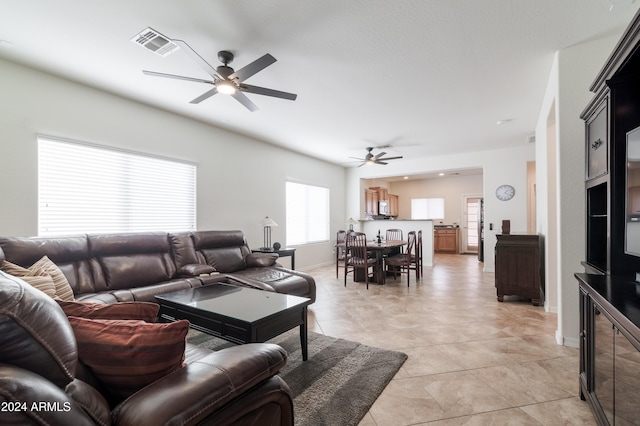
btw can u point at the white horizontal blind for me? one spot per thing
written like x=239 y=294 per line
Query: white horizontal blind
x=307 y=214
x=427 y=208
x=87 y=189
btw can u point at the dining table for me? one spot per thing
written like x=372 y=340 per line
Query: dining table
x=380 y=249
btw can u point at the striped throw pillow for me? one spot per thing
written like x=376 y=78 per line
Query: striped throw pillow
x=44 y=284
x=45 y=267
x=127 y=355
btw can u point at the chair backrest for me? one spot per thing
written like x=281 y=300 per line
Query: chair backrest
x=411 y=243
x=341 y=236
x=356 y=244
x=394 y=234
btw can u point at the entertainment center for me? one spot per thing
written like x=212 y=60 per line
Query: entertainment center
x=609 y=292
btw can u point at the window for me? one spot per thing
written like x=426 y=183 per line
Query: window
x=88 y=189
x=427 y=208
x=307 y=214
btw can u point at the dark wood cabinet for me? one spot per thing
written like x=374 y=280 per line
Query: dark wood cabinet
x=519 y=267
x=610 y=348
x=609 y=296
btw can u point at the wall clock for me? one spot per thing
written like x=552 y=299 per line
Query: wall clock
x=505 y=192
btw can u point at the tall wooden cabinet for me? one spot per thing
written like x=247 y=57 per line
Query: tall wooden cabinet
x=609 y=297
x=519 y=267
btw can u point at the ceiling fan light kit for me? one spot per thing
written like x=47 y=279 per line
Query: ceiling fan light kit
x=225 y=79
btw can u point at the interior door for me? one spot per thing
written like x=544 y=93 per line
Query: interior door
x=471 y=225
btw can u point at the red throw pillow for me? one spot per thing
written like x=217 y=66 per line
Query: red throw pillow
x=127 y=355
x=144 y=311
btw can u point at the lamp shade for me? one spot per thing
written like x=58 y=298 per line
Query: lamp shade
x=352 y=221
x=267 y=221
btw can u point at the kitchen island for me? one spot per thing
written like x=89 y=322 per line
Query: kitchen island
x=371 y=228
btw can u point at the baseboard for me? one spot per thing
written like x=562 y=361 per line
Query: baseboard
x=570 y=342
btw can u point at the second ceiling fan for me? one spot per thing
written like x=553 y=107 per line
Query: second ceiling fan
x=226 y=80
x=375 y=159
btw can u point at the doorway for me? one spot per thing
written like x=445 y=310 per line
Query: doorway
x=471 y=226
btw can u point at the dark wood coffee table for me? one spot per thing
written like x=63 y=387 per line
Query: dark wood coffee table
x=237 y=314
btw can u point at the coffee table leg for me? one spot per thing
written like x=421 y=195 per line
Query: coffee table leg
x=303 y=335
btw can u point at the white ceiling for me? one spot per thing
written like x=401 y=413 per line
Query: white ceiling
x=429 y=77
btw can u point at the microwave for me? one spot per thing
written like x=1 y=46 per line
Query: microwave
x=383 y=207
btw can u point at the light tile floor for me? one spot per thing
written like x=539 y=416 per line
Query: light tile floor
x=472 y=360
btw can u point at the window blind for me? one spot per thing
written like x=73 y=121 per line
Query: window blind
x=427 y=208
x=307 y=213
x=89 y=189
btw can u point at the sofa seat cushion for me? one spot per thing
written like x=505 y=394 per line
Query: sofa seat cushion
x=127 y=355
x=281 y=280
x=148 y=293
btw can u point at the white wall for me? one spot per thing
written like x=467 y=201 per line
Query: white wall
x=505 y=166
x=240 y=180
x=567 y=94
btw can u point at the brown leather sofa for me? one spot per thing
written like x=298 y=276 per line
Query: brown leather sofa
x=126 y=267
x=42 y=381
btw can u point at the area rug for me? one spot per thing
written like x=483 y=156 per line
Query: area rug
x=338 y=383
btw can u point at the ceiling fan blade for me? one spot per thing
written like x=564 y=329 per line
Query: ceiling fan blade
x=358 y=158
x=268 y=92
x=194 y=55
x=242 y=98
x=380 y=162
x=390 y=158
x=377 y=157
x=205 y=95
x=253 y=68
x=363 y=163
x=178 y=77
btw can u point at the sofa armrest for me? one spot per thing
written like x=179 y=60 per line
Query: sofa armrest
x=256 y=260
x=193 y=393
x=32 y=399
x=195 y=270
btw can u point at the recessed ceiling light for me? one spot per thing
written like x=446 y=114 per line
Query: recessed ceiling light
x=440 y=174
x=504 y=121
x=406 y=177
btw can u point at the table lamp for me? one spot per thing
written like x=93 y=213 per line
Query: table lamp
x=267 y=223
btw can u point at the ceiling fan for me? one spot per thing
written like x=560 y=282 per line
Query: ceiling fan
x=375 y=159
x=226 y=80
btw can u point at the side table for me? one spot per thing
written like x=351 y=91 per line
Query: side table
x=283 y=252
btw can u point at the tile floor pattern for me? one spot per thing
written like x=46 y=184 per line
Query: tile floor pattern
x=472 y=360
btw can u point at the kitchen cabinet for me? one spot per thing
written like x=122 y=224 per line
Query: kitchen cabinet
x=393 y=205
x=445 y=240
x=371 y=202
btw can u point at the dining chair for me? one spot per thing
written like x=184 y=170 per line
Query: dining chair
x=416 y=263
x=357 y=256
x=393 y=234
x=341 y=250
x=402 y=262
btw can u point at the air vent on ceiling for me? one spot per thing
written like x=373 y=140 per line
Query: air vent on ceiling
x=155 y=42
x=531 y=139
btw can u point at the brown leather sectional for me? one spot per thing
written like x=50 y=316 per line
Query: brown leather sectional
x=43 y=381
x=125 y=267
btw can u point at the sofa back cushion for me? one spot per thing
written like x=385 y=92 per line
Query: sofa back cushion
x=130 y=260
x=224 y=250
x=69 y=253
x=34 y=332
